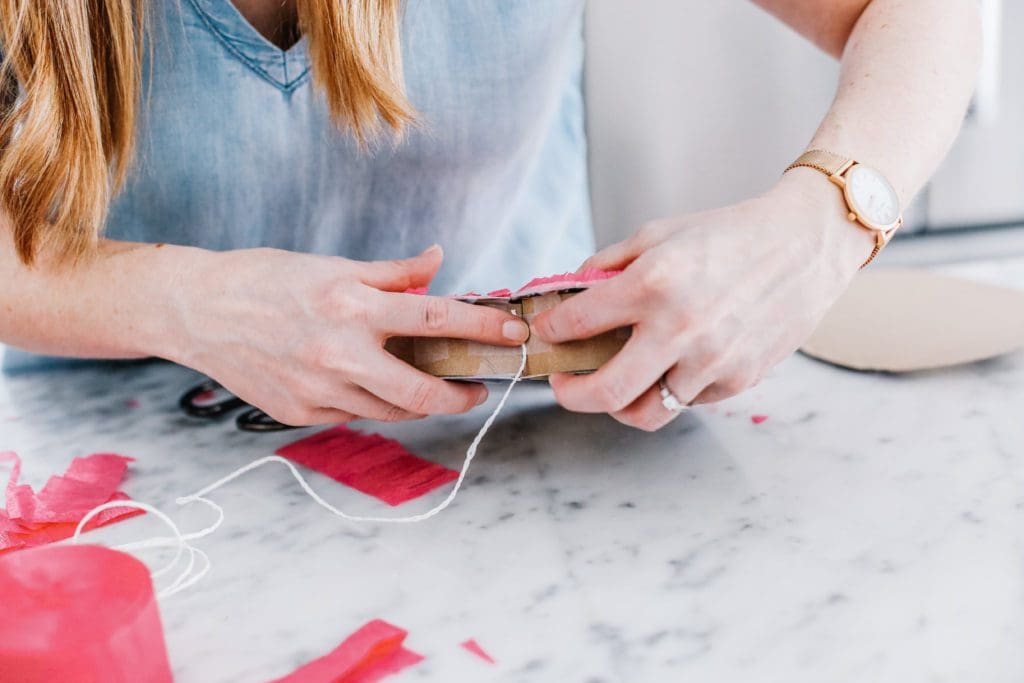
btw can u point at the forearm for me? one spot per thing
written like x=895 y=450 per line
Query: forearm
x=122 y=301
x=908 y=71
x=906 y=77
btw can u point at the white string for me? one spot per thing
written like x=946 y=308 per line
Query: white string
x=179 y=541
x=187 y=578
x=470 y=454
x=160 y=541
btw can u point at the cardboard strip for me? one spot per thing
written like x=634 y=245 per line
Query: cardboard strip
x=461 y=359
x=370 y=463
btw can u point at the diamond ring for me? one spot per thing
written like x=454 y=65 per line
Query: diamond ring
x=668 y=399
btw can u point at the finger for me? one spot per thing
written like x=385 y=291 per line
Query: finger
x=613 y=257
x=687 y=382
x=605 y=306
x=328 y=416
x=647 y=412
x=619 y=255
x=310 y=417
x=619 y=382
x=365 y=406
x=412 y=315
x=413 y=390
x=727 y=387
x=402 y=274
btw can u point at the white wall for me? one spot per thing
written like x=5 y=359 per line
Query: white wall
x=693 y=104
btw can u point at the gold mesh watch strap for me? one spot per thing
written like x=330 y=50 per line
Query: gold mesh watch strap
x=830 y=164
x=874 y=252
x=821 y=160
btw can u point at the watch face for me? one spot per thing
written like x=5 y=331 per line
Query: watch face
x=872 y=196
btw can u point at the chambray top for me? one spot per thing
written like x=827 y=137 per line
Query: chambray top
x=236 y=148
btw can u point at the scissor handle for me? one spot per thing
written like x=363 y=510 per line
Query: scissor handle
x=208 y=410
x=255 y=420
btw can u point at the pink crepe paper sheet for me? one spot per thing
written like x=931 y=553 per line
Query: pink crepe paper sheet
x=368 y=655
x=554 y=283
x=474 y=647
x=30 y=519
x=370 y=463
x=758 y=419
x=538 y=285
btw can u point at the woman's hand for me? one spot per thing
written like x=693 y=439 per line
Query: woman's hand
x=715 y=299
x=302 y=336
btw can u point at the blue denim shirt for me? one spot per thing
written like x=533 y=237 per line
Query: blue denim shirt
x=236 y=148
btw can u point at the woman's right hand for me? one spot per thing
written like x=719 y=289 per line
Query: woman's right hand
x=302 y=336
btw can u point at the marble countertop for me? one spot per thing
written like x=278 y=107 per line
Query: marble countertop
x=872 y=529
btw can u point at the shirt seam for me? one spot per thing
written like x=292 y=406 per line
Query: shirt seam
x=222 y=37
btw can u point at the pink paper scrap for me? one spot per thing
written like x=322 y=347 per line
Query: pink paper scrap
x=550 y=283
x=30 y=519
x=553 y=283
x=474 y=647
x=368 y=655
x=370 y=463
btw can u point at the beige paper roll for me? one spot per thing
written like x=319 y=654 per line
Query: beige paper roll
x=901 y=320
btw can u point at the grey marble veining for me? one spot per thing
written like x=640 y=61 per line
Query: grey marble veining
x=872 y=529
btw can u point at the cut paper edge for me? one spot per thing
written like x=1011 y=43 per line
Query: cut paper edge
x=542 y=285
x=29 y=519
x=474 y=647
x=15 y=535
x=371 y=653
x=369 y=463
x=88 y=481
x=563 y=281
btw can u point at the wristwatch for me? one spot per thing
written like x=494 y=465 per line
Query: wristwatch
x=871 y=200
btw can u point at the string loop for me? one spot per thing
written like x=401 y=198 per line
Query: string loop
x=190 y=575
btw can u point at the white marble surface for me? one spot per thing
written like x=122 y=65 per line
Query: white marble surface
x=871 y=530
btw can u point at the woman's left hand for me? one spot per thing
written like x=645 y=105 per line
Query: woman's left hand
x=715 y=299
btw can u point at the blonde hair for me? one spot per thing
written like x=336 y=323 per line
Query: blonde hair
x=70 y=93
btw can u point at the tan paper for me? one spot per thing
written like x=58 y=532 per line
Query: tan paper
x=461 y=359
x=901 y=320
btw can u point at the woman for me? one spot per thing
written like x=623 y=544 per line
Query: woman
x=153 y=151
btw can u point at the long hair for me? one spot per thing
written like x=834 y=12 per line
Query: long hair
x=70 y=94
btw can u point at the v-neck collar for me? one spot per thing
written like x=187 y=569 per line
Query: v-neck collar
x=286 y=69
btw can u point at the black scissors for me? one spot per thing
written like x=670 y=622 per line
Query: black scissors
x=210 y=401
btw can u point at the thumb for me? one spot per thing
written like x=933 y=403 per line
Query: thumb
x=402 y=274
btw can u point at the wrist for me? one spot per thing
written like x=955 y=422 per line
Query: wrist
x=834 y=241
x=175 y=294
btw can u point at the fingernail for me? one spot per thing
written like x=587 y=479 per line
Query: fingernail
x=516 y=330
x=481 y=395
x=431 y=249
